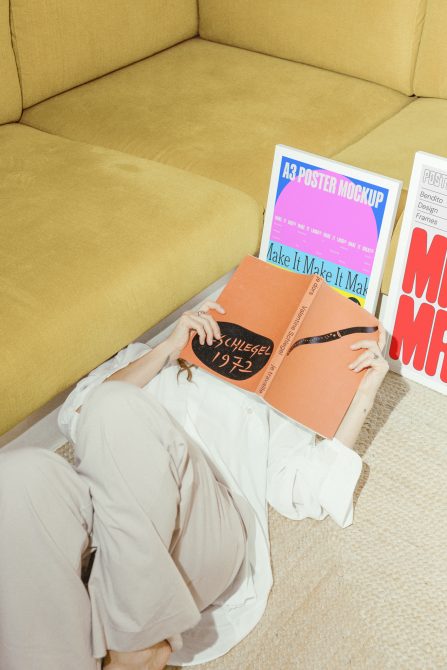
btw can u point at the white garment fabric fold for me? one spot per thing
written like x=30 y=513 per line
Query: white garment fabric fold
x=262 y=456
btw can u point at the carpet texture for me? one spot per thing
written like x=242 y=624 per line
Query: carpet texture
x=372 y=596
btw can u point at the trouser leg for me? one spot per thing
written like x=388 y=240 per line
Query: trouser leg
x=169 y=538
x=45 y=520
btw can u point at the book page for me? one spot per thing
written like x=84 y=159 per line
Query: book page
x=260 y=301
x=314 y=385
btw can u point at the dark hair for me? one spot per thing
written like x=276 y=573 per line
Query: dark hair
x=184 y=367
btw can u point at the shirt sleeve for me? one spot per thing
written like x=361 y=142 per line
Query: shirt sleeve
x=306 y=479
x=67 y=416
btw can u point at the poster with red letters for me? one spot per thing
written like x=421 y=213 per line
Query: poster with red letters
x=416 y=310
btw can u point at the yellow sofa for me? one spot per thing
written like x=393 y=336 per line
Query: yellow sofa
x=136 y=145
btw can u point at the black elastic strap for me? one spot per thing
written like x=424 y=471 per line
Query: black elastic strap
x=335 y=335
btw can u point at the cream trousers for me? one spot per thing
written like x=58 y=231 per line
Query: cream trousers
x=168 y=537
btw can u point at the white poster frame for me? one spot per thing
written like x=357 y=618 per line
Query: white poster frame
x=393 y=186
x=421 y=161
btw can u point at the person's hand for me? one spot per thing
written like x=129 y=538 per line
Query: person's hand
x=372 y=359
x=196 y=320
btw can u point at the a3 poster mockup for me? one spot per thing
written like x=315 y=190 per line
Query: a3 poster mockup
x=331 y=219
x=416 y=309
x=286 y=337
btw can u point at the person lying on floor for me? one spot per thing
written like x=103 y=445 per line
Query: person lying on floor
x=173 y=472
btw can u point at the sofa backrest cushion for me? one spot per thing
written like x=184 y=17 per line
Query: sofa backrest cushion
x=63 y=43
x=10 y=95
x=375 y=40
x=431 y=72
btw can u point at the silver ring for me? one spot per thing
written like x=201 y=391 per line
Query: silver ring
x=200 y=312
x=375 y=355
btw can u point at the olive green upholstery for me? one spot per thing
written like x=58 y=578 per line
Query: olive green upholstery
x=97 y=246
x=218 y=111
x=136 y=143
x=377 y=41
x=431 y=74
x=63 y=44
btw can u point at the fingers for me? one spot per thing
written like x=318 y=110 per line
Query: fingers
x=372 y=363
x=366 y=359
x=371 y=358
x=204 y=324
x=187 y=323
x=209 y=304
x=211 y=327
x=203 y=327
x=366 y=344
x=215 y=330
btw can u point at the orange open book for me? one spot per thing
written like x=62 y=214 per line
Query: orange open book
x=286 y=337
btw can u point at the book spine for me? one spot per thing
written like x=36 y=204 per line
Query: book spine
x=300 y=314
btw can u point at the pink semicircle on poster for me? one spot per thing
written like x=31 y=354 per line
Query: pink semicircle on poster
x=335 y=217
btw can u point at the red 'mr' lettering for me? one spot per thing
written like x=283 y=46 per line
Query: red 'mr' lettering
x=438 y=346
x=411 y=333
x=425 y=267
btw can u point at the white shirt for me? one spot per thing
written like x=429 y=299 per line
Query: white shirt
x=263 y=457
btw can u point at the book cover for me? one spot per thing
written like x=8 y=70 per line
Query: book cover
x=286 y=337
x=416 y=309
x=331 y=219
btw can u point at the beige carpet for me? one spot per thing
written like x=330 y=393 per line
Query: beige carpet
x=372 y=596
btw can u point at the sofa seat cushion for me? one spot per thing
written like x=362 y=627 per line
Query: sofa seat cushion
x=97 y=247
x=390 y=149
x=218 y=111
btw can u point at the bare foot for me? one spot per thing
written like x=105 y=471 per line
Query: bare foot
x=153 y=658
